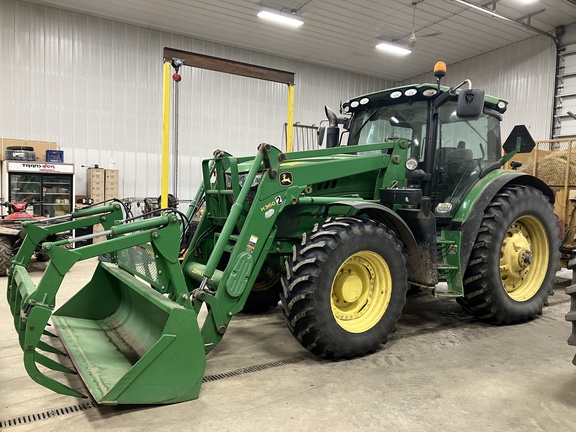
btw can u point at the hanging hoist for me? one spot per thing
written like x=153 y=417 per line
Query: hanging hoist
x=176 y=77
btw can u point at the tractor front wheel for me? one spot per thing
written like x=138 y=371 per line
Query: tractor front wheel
x=345 y=287
x=513 y=264
x=264 y=294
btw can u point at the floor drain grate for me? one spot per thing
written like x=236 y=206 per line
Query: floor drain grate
x=251 y=369
x=45 y=415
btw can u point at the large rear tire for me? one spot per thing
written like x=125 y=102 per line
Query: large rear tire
x=5 y=254
x=345 y=287
x=513 y=265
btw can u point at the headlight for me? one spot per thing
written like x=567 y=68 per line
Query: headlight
x=242 y=179
x=411 y=164
x=442 y=208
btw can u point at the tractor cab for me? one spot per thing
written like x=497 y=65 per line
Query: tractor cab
x=453 y=134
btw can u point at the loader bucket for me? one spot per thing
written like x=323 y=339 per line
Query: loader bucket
x=131 y=331
x=130 y=344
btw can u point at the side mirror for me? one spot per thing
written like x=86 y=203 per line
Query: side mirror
x=333 y=131
x=470 y=103
x=520 y=139
x=320 y=135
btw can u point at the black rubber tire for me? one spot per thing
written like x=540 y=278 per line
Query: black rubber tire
x=41 y=255
x=485 y=295
x=264 y=295
x=5 y=254
x=307 y=288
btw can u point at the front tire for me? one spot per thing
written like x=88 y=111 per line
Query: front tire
x=264 y=294
x=513 y=265
x=345 y=287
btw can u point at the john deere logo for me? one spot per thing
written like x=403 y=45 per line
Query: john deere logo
x=286 y=179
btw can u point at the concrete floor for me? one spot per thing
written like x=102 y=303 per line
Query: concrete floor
x=441 y=370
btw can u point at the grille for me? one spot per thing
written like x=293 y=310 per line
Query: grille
x=141 y=260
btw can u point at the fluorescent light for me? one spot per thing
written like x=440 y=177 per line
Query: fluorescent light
x=393 y=49
x=485 y=10
x=281 y=17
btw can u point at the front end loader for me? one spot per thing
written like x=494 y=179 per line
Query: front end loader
x=412 y=193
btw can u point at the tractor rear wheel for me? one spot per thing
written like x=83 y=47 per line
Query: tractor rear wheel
x=513 y=264
x=5 y=254
x=345 y=287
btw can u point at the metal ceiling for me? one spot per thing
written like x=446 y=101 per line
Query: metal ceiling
x=343 y=33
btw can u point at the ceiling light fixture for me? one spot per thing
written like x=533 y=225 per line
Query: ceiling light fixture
x=283 y=16
x=392 y=48
x=485 y=10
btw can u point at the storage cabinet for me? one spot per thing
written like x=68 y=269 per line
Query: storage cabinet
x=49 y=186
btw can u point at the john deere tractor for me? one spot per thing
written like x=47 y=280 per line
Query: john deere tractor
x=409 y=191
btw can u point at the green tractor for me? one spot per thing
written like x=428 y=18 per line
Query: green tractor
x=415 y=197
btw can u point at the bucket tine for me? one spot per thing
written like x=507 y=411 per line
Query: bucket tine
x=52 y=364
x=50 y=334
x=49 y=348
x=40 y=378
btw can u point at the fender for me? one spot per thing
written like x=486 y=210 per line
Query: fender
x=469 y=215
x=393 y=221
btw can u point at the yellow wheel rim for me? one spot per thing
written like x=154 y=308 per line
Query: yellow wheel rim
x=361 y=292
x=524 y=258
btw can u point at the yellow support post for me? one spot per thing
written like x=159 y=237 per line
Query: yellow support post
x=290 y=121
x=165 y=136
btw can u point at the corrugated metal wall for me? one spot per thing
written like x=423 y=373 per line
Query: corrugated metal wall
x=522 y=74
x=564 y=123
x=94 y=86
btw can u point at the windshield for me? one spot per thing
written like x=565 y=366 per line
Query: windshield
x=464 y=147
x=387 y=123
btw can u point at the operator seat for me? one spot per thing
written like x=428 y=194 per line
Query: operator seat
x=457 y=160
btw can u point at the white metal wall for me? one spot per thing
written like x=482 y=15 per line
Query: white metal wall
x=94 y=86
x=522 y=74
x=565 y=124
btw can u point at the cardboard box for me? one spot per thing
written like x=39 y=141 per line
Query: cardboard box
x=97 y=189
x=40 y=147
x=97 y=198
x=111 y=175
x=95 y=184
x=95 y=174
